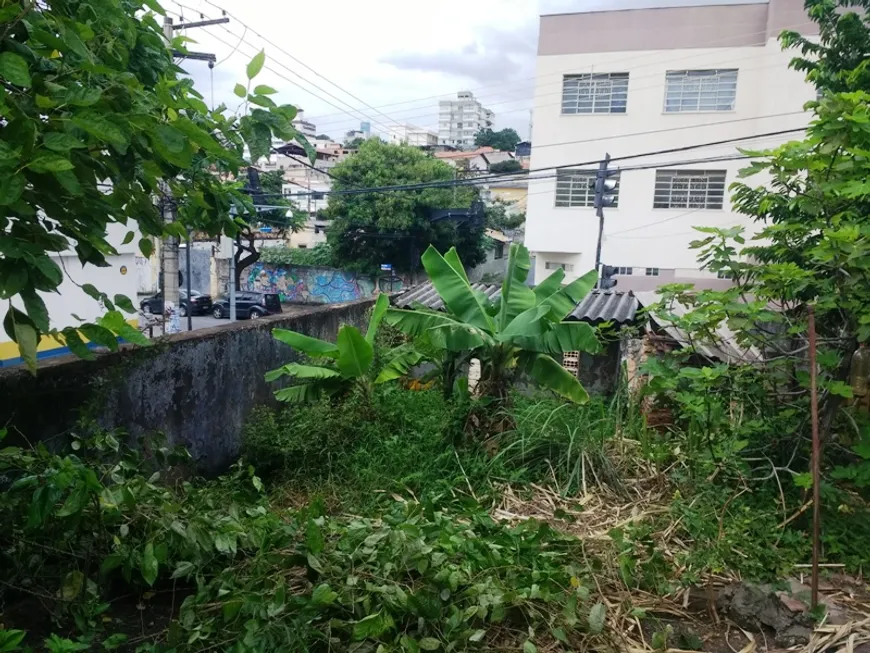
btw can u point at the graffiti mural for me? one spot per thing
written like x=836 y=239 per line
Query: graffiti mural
x=309 y=284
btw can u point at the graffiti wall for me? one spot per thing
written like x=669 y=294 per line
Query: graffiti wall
x=313 y=285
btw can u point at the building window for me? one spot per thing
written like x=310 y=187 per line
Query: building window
x=625 y=271
x=595 y=93
x=303 y=246
x=689 y=189
x=574 y=188
x=723 y=274
x=700 y=90
x=652 y=272
x=499 y=250
x=556 y=265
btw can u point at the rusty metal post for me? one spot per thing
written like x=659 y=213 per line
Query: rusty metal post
x=814 y=413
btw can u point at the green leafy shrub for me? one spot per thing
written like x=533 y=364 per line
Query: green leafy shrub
x=320 y=255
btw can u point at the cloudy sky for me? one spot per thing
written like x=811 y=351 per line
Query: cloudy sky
x=381 y=61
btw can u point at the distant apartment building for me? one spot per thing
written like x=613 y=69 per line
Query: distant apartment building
x=460 y=119
x=412 y=135
x=636 y=81
x=305 y=127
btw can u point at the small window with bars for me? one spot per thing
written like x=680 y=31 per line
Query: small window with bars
x=627 y=272
x=700 y=90
x=576 y=188
x=595 y=93
x=556 y=265
x=689 y=189
x=652 y=272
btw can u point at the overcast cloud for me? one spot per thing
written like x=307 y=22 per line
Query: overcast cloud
x=392 y=60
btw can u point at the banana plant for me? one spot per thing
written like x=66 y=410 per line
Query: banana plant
x=518 y=334
x=348 y=363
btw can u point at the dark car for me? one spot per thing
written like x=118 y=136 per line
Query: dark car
x=249 y=304
x=199 y=303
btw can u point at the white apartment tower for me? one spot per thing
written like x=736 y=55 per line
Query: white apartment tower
x=629 y=82
x=460 y=119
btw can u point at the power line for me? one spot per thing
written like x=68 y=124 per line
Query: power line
x=516 y=176
x=301 y=63
x=285 y=67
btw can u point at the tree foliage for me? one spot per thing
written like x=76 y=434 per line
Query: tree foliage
x=98 y=123
x=812 y=248
x=370 y=228
x=504 y=139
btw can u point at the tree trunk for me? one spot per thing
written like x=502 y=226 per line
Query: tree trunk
x=243 y=262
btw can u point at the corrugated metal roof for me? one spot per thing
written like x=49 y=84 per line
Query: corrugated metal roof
x=723 y=346
x=598 y=306
x=606 y=306
x=426 y=295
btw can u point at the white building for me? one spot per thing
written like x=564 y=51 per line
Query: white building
x=412 y=135
x=304 y=127
x=119 y=278
x=460 y=119
x=643 y=80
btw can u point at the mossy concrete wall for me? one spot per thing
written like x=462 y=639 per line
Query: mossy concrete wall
x=197 y=388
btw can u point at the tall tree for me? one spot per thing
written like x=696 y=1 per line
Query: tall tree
x=395 y=226
x=98 y=123
x=505 y=139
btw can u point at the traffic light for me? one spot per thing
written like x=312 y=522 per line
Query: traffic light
x=607 y=281
x=604 y=184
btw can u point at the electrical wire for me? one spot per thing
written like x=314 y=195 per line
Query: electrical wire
x=284 y=66
x=301 y=63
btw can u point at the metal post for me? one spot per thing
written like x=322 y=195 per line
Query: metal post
x=814 y=414
x=189 y=293
x=232 y=283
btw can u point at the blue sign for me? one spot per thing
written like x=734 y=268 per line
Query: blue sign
x=386 y=267
x=265 y=230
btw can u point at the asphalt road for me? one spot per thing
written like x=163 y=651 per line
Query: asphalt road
x=203 y=321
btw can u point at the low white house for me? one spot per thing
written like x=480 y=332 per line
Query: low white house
x=119 y=278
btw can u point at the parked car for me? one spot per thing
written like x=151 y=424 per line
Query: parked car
x=199 y=303
x=249 y=304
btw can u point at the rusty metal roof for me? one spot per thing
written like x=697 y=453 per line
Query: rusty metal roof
x=606 y=306
x=598 y=306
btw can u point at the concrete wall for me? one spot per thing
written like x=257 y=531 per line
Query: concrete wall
x=196 y=387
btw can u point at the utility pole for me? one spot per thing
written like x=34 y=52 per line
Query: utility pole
x=604 y=183
x=169 y=249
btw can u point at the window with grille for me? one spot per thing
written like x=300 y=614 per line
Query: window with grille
x=689 y=189
x=700 y=90
x=723 y=274
x=652 y=272
x=595 y=93
x=625 y=271
x=575 y=188
x=556 y=265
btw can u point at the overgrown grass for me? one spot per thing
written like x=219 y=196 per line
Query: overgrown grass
x=413 y=443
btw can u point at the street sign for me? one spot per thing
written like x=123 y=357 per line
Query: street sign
x=386 y=267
